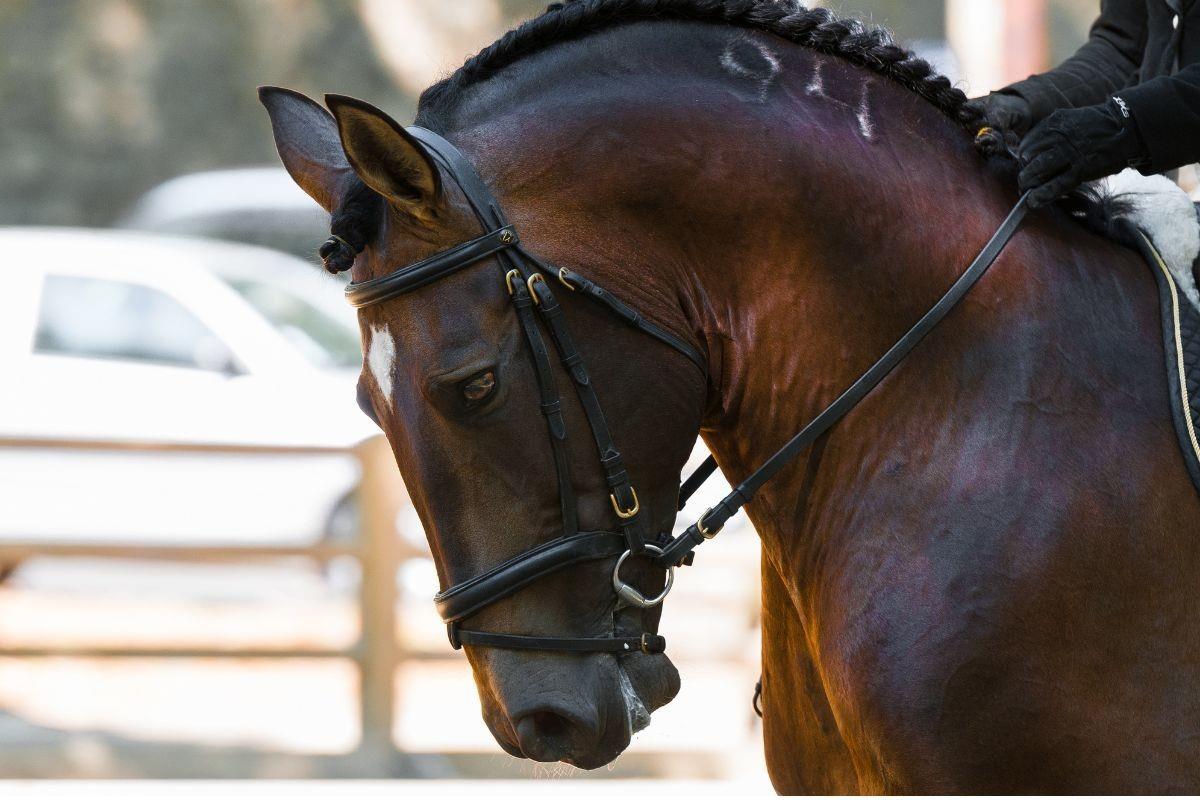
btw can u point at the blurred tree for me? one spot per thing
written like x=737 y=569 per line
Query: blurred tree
x=908 y=19
x=105 y=98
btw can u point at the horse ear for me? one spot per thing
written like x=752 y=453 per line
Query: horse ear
x=306 y=137
x=386 y=157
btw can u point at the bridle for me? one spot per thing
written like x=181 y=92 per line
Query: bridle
x=527 y=280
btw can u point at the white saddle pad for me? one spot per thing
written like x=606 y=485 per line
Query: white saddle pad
x=1166 y=213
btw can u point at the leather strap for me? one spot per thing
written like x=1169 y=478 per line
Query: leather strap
x=434 y=268
x=646 y=643
x=593 y=291
x=610 y=458
x=464 y=599
x=711 y=522
x=550 y=405
x=695 y=481
x=454 y=162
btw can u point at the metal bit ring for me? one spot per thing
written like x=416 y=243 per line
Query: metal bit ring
x=632 y=596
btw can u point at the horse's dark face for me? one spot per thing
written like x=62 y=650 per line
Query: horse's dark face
x=449 y=379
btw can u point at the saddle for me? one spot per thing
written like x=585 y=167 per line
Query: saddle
x=1181 y=345
x=1161 y=223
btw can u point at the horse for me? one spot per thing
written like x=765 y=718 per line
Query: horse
x=980 y=580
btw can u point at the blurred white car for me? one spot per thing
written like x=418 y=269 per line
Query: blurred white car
x=305 y=304
x=119 y=336
x=255 y=205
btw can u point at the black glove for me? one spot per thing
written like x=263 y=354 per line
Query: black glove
x=1072 y=146
x=1009 y=113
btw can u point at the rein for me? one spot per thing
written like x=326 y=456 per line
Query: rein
x=527 y=280
x=712 y=520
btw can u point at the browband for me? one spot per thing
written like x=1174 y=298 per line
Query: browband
x=431 y=269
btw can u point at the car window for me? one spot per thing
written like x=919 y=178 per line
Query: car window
x=325 y=341
x=98 y=318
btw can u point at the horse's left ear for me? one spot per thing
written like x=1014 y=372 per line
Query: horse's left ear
x=307 y=140
x=386 y=157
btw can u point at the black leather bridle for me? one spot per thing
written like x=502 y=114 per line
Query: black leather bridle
x=527 y=280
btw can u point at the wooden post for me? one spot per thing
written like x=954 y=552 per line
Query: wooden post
x=380 y=497
x=1026 y=39
x=997 y=41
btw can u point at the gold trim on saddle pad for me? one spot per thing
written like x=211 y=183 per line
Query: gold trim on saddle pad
x=1181 y=366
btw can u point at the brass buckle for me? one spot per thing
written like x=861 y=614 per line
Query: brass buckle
x=534 y=278
x=508 y=280
x=705 y=532
x=624 y=513
x=562 y=278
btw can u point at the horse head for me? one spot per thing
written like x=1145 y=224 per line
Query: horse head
x=549 y=445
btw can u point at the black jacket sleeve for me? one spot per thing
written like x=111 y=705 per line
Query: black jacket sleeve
x=1106 y=63
x=1167 y=112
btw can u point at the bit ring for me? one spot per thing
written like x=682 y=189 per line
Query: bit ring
x=632 y=596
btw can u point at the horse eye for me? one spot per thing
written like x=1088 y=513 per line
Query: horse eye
x=479 y=387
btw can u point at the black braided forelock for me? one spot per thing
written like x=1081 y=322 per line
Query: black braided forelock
x=815 y=28
x=354 y=223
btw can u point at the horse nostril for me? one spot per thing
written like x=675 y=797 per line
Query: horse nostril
x=550 y=725
x=545 y=736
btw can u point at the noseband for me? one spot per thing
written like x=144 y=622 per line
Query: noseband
x=527 y=280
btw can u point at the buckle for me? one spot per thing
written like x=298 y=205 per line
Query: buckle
x=653 y=643
x=705 y=532
x=625 y=513
x=562 y=278
x=508 y=279
x=534 y=278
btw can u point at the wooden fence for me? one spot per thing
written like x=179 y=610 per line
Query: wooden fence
x=378 y=549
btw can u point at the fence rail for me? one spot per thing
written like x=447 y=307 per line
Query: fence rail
x=378 y=550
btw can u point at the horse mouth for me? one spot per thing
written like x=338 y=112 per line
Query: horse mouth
x=587 y=731
x=636 y=713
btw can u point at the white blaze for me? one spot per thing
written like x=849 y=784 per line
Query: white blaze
x=381 y=360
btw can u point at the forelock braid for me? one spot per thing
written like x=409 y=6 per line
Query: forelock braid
x=816 y=28
x=354 y=224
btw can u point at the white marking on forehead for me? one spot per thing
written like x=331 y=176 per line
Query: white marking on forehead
x=865 y=124
x=748 y=58
x=381 y=360
x=816 y=84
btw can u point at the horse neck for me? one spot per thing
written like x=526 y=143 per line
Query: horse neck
x=865 y=230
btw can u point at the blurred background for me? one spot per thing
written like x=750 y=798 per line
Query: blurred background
x=208 y=564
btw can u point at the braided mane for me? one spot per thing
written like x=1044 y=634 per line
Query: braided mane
x=816 y=28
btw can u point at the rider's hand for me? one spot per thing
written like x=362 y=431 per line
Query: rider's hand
x=1075 y=145
x=1009 y=113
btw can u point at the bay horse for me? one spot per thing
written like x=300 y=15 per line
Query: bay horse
x=981 y=580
